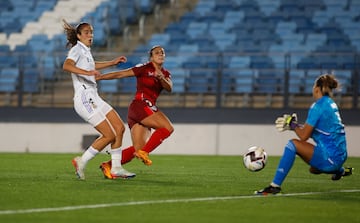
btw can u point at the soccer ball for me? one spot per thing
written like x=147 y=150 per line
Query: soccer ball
x=255 y=158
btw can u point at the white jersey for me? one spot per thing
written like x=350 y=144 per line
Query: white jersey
x=83 y=59
x=87 y=102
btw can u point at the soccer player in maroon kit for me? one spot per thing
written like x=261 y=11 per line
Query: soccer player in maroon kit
x=143 y=114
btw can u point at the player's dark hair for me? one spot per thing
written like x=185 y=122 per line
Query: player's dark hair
x=71 y=32
x=327 y=83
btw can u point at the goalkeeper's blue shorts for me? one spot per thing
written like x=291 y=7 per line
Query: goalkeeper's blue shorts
x=326 y=162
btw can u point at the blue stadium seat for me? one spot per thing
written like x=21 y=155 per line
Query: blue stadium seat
x=159 y=39
x=196 y=28
x=31 y=80
x=173 y=62
x=225 y=6
x=49 y=68
x=269 y=81
x=296 y=81
x=239 y=62
x=8 y=79
x=127 y=85
x=310 y=77
x=233 y=17
x=244 y=80
x=178 y=76
x=213 y=16
x=345 y=79
x=193 y=63
x=188 y=49
x=224 y=40
x=204 y=7
x=146 y=6
x=261 y=62
x=201 y=81
x=128 y=12
x=309 y=63
x=109 y=86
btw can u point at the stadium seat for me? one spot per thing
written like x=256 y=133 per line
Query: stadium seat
x=109 y=86
x=127 y=85
x=204 y=7
x=239 y=62
x=196 y=28
x=296 y=81
x=269 y=81
x=310 y=77
x=244 y=80
x=224 y=40
x=232 y=17
x=261 y=62
x=345 y=79
x=201 y=81
x=31 y=80
x=146 y=6
x=178 y=76
x=159 y=39
x=9 y=79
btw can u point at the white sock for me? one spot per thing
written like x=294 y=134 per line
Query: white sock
x=89 y=154
x=274 y=185
x=116 y=155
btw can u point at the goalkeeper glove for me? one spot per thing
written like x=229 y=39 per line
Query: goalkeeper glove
x=286 y=122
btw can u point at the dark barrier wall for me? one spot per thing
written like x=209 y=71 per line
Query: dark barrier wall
x=177 y=115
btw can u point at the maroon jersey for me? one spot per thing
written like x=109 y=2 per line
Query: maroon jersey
x=147 y=85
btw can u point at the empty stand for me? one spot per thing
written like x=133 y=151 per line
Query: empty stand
x=250 y=44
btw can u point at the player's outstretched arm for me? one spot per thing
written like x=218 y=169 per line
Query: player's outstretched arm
x=104 y=64
x=116 y=74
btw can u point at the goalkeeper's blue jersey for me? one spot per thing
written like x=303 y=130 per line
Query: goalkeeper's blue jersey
x=329 y=132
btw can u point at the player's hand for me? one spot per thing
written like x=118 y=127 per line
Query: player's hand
x=159 y=75
x=93 y=73
x=121 y=59
x=286 y=122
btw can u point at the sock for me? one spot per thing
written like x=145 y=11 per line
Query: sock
x=156 y=139
x=285 y=164
x=90 y=153
x=127 y=154
x=115 y=158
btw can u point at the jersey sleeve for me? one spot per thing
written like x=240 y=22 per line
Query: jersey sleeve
x=73 y=54
x=313 y=115
x=138 y=69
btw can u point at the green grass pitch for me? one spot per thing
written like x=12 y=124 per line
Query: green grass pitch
x=43 y=188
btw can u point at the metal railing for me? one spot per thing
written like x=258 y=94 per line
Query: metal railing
x=200 y=80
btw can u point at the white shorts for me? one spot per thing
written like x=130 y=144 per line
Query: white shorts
x=90 y=106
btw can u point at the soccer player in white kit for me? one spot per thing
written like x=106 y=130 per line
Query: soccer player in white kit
x=87 y=102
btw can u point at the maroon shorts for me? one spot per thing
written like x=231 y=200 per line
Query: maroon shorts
x=138 y=110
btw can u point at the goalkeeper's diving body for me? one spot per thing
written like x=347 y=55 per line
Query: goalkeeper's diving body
x=325 y=127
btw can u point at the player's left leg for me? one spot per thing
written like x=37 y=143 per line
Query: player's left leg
x=117 y=171
x=163 y=129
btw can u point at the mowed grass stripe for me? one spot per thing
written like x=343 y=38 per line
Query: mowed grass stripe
x=133 y=203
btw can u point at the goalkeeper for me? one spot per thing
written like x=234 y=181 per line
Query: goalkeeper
x=325 y=127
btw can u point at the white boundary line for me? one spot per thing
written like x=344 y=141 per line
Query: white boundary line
x=132 y=203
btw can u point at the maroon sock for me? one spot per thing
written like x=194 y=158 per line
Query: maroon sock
x=156 y=139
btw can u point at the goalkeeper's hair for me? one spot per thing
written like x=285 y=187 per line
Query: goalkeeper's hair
x=72 y=31
x=327 y=83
